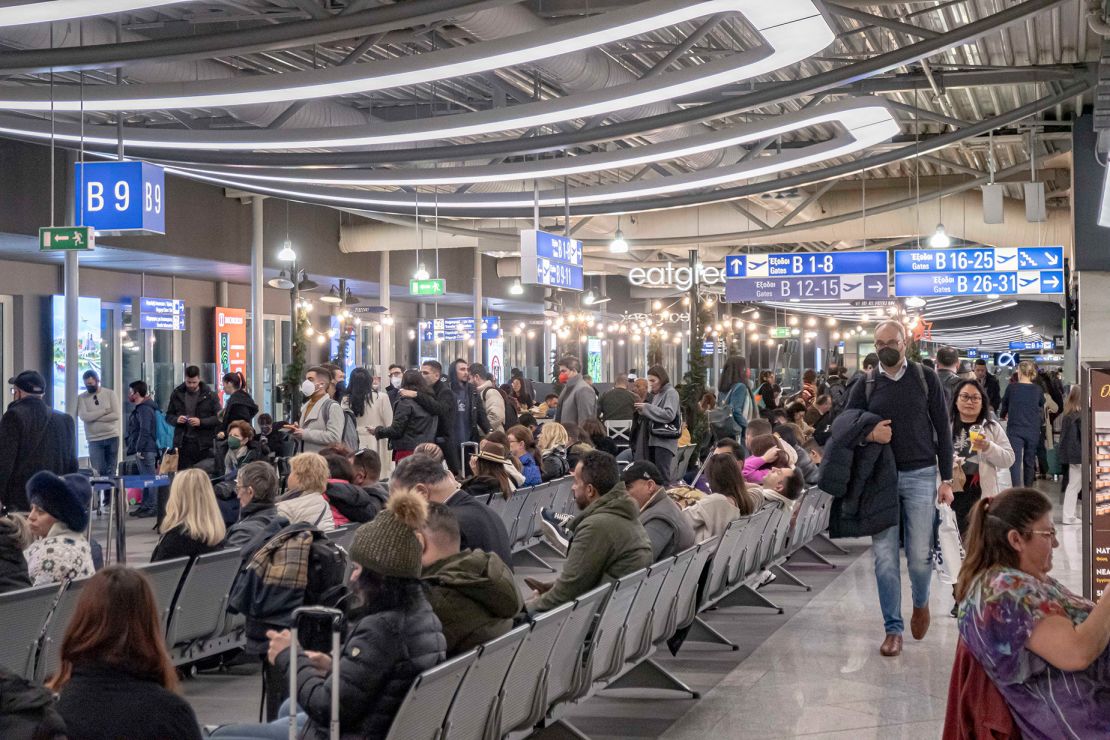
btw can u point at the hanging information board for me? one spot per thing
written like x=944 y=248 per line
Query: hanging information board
x=550 y=260
x=828 y=276
x=978 y=271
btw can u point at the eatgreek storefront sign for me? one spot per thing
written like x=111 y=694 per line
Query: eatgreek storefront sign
x=675 y=276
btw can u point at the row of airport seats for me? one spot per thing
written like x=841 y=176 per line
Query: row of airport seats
x=604 y=640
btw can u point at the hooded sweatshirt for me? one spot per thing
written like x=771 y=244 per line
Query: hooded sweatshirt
x=475 y=597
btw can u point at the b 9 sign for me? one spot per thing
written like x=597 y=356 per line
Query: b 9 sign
x=118 y=197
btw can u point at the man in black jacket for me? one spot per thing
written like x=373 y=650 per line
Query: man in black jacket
x=442 y=405
x=479 y=527
x=910 y=400
x=989 y=383
x=33 y=437
x=194 y=410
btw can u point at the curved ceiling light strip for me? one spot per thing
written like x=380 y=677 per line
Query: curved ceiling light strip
x=66 y=10
x=850 y=112
x=864 y=125
x=477 y=58
x=223 y=149
x=241 y=40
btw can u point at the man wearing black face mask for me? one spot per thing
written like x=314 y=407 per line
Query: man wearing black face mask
x=903 y=394
x=98 y=410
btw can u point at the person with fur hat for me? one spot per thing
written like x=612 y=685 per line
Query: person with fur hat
x=59 y=516
x=395 y=638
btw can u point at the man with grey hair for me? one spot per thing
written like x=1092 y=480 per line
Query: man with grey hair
x=479 y=527
x=256 y=486
x=903 y=394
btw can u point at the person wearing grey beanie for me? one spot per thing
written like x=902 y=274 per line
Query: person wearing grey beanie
x=58 y=518
x=396 y=638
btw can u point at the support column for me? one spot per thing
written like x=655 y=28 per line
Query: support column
x=72 y=291
x=257 y=354
x=385 y=338
x=476 y=355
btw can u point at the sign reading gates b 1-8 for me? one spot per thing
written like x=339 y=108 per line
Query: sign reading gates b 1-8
x=826 y=276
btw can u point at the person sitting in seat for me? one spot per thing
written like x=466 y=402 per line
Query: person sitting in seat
x=552 y=443
x=471 y=591
x=193 y=524
x=599 y=436
x=397 y=638
x=304 y=501
x=784 y=485
x=546 y=410
x=349 y=503
x=115 y=678
x=606 y=540
x=1044 y=647
x=367 y=466
x=730 y=447
x=522 y=446
x=58 y=518
x=15 y=536
x=242 y=447
x=513 y=467
x=669 y=531
x=730 y=499
x=257 y=489
x=479 y=526
x=767 y=454
x=489 y=475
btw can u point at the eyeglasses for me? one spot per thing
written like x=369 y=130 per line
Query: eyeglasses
x=895 y=343
x=969 y=397
x=1047 y=533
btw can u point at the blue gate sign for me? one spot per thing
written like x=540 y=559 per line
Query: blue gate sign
x=972 y=354
x=1028 y=344
x=457 y=328
x=788 y=265
x=978 y=259
x=550 y=260
x=978 y=283
x=162 y=313
x=818 y=287
x=116 y=197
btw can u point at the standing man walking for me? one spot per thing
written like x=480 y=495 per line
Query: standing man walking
x=99 y=410
x=194 y=411
x=904 y=394
x=33 y=437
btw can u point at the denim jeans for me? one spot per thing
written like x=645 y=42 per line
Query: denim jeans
x=277 y=730
x=103 y=454
x=147 y=466
x=1024 y=440
x=917 y=495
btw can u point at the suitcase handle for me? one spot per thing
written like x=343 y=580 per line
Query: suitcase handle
x=337 y=618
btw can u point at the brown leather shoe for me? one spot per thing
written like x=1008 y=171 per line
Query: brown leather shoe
x=919 y=622
x=892 y=646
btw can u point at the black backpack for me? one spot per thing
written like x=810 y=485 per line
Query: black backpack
x=511 y=416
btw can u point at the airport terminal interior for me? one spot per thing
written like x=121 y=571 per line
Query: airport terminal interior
x=482 y=369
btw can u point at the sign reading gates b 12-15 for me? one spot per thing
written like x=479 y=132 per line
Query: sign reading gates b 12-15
x=979 y=271
x=828 y=276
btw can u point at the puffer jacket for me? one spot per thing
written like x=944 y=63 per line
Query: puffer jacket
x=27 y=711
x=350 y=502
x=861 y=478
x=412 y=426
x=311 y=508
x=553 y=463
x=255 y=519
x=239 y=407
x=607 y=543
x=383 y=653
x=475 y=597
x=13 y=566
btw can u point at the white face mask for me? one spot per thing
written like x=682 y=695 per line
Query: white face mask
x=308 y=388
x=395 y=381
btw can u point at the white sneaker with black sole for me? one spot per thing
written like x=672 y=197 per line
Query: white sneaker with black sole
x=554 y=534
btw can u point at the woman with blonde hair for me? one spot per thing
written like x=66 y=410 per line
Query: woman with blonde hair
x=1023 y=411
x=193 y=524
x=305 y=500
x=552 y=443
x=1071 y=454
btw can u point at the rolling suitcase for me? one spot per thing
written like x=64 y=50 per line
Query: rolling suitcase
x=336 y=620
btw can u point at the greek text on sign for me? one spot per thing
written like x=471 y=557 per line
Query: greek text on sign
x=1027 y=344
x=979 y=259
x=1029 y=282
x=114 y=197
x=457 y=328
x=787 y=265
x=162 y=313
x=830 y=287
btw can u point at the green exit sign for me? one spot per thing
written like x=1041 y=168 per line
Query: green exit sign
x=427 y=287
x=780 y=332
x=65 y=238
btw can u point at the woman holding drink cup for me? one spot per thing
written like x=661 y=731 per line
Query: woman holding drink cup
x=982 y=449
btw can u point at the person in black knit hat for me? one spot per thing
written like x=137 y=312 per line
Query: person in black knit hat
x=58 y=518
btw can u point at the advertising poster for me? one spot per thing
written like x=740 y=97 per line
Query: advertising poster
x=231 y=343
x=349 y=360
x=495 y=355
x=1098 y=478
x=88 y=353
x=593 y=358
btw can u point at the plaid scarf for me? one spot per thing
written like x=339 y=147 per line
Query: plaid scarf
x=283 y=561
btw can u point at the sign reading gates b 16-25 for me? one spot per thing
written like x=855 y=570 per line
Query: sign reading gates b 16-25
x=979 y=271
x=817 y=276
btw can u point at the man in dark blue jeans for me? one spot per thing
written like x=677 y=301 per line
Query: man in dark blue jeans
x=910 y=399
x=142 y=442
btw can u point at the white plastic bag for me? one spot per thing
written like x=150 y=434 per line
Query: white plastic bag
x=949 y=553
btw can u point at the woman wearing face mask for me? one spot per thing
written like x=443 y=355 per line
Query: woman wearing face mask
x=242 y=447
x=371 y=409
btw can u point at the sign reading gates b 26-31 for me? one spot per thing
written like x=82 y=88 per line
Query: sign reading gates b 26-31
x=115 y=197
x=979 y=271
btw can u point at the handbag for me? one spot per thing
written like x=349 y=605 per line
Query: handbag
x=948 y=555
x=169 y=463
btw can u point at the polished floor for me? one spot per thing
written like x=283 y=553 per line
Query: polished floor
x=812 y=672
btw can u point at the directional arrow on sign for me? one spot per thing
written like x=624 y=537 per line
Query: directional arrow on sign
x=1052 y=259
x=1051 y=281
x=878 y=284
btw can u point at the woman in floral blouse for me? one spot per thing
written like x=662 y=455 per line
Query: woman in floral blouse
x=59 y=516
x=1042 y=645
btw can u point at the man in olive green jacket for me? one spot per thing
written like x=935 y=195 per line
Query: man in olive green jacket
x=607 y=540
x=472 y=592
